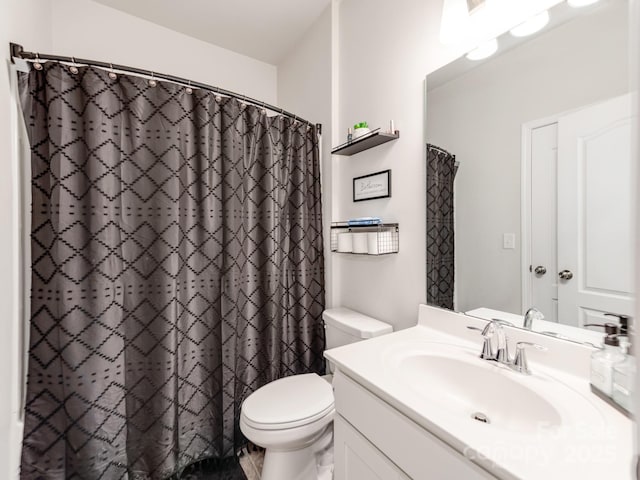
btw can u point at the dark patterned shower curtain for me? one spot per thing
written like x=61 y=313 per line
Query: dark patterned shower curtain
x=441 y=172
x=177 y=266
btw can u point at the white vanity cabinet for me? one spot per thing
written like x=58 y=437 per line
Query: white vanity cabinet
x=373 y=441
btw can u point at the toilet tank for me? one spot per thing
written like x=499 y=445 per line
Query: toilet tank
x=344 y=326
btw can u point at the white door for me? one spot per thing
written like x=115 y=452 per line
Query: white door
x=543 y=262
x=595 y=205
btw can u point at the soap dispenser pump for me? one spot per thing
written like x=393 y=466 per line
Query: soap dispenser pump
x=602 y=361
x=623 y=330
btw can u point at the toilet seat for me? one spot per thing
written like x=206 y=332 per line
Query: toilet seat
x=289 y=402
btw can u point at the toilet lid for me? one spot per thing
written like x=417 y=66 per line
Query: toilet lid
x=289 y=402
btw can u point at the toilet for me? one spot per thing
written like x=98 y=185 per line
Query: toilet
x=292 y=418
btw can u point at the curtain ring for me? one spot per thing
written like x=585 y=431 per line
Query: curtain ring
x=73 y=69
x=112 y=74
x=37 y=65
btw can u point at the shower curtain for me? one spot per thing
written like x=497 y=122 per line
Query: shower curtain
x=441 y=172
x=177 y=265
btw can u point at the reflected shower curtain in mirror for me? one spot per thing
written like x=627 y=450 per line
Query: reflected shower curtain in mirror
x=441 y=172
x=177 y=265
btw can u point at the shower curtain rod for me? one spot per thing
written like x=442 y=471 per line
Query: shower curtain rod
x=17 y=51
x=442 y=150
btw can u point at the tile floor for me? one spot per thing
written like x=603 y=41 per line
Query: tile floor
x=251 y=463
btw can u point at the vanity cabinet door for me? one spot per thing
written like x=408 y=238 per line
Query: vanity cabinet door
x=355 y=458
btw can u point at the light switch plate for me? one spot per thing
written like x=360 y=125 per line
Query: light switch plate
x=509 y=241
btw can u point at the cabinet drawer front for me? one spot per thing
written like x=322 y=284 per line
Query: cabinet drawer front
x=417 y=452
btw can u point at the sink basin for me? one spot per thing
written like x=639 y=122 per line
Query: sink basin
x=475 y=391
x=451 y=380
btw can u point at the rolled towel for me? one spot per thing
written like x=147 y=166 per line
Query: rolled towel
x=345 y=242
x=360 y=242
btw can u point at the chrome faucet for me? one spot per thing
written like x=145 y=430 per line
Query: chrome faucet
x=532 y=314
x=500 y=354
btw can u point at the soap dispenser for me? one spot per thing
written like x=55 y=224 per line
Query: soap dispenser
x=602 y=361
x=624 y=372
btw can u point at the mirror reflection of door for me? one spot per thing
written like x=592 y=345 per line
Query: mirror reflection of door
x=581 y=195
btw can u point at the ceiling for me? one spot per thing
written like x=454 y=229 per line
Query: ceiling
x=262 y=29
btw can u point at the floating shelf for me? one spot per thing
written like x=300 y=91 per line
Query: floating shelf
x=365 y=142
x=374 y=240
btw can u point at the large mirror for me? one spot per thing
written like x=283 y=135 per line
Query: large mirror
x=541 y=138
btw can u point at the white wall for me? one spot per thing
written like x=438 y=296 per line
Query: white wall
x=86 y=29
x=386 y=49
x=479 y=116
x=26 y=22
x=304 y=87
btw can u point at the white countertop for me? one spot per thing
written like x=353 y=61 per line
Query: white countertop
x=597 y=442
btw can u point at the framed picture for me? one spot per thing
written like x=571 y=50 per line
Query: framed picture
x=375 y=185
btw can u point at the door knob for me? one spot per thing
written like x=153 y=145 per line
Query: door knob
x=540 y=270
x=565 y=275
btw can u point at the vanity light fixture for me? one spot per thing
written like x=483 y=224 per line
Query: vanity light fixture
x=484 y=50
x=581 y=3
x=466 y=23
x=531 y=26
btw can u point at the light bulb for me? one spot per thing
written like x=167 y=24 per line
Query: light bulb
x=531 y=26
x=484 y=50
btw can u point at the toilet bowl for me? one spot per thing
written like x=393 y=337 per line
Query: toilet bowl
x=292 y=418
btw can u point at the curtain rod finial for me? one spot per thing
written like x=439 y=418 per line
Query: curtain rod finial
x=15 y=50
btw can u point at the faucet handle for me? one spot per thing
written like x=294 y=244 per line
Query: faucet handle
x=502 y=322
x=487 y=334
x=520 y=363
